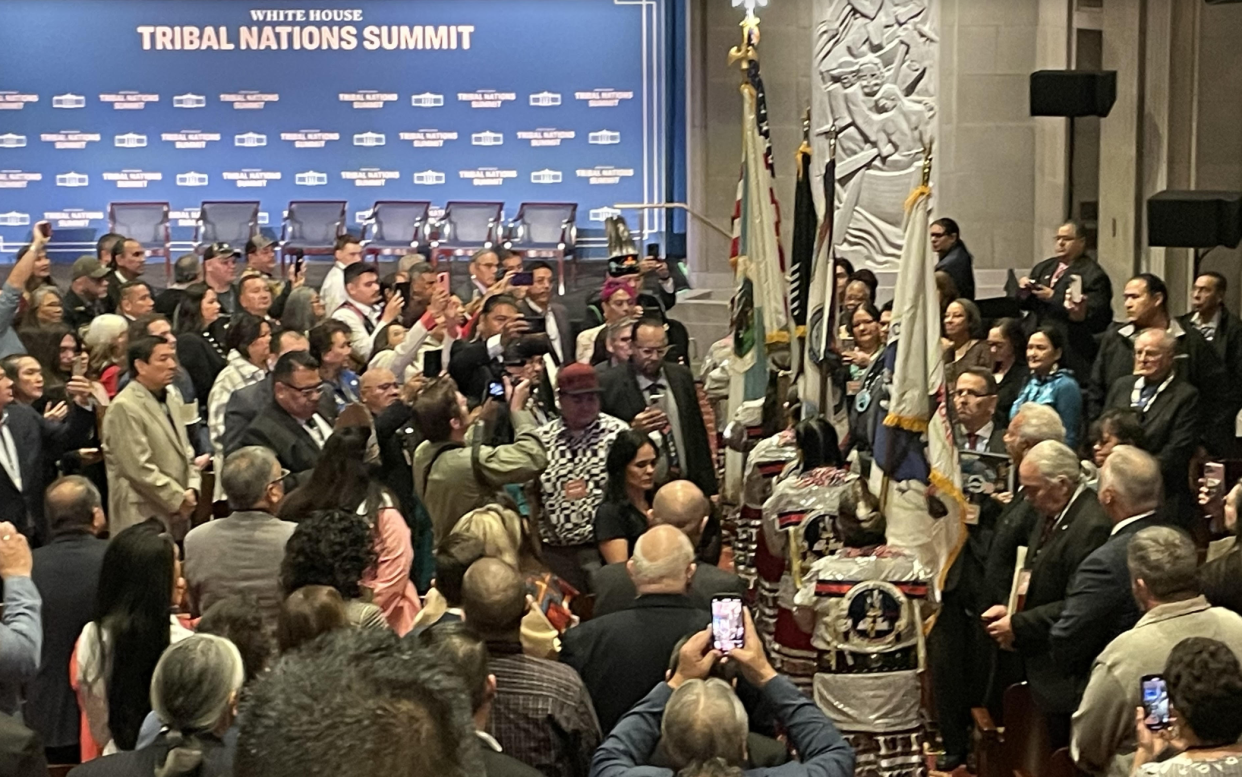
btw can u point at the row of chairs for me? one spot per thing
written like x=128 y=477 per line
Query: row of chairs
x=391 y=227
x=1022 y=747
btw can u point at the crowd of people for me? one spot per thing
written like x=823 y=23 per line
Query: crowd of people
x=389 y=526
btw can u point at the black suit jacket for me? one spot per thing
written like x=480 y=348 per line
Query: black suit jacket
x=1079 y=335
x=959 y=265
x=217 y=761
x=1171 y=430
x=564 y=330
x=1013 y=529
x=623 y=399
x=622 y=656
x=1228 y=346
x=246 y=403
x=1052 y=566
x=967 y=572
x=275 y=429
x=201 y=361
x=1099 y=604
x=66 y=572
x=38 y=443
x=501 y=765
x=78 y=312
x=614 y=590
x=473 y=368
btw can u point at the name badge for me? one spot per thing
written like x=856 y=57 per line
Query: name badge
x=576 y=489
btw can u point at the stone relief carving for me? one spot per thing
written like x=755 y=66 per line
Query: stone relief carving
x=875 y=79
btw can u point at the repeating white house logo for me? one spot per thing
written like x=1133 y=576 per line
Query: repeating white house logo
x=603 y=175
x=603 y=214
x=133 y=179
x=486 y=98
x=17 y=179
x=427 y=100
x=189 y=101
x=487 y=138
x=192 y=179
x=310 y=138
x=370 y=176
x=545 y=99
x=311 y=178
x=15 y=101
x=14 y=219
x=545 y=136
x=487 y=176
x=546 y=176
x=428 y=138
x=130 y=140
x=72 y=179
x=251 y=178
x=12 y=140
x=250 y=140
x=604 y=138
x=429 y=178
x=370 y=139
x=68 y=101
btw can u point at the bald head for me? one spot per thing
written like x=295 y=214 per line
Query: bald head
x=72 y=504
x=1154 y=350
x=663 y=561
x=493 y=598
x=379 y=389
x=681 y=504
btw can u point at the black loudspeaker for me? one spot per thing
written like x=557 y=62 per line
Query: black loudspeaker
x=1073 y=92
x=1179 y=219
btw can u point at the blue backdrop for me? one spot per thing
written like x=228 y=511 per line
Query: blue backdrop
x=513 y=100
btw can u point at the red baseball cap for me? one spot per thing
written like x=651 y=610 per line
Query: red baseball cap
x=578 y=378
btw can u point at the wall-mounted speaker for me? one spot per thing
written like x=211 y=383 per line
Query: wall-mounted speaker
x=1073 y=92
x=1203 y=219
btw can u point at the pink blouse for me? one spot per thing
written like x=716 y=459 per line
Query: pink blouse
x=394 y=592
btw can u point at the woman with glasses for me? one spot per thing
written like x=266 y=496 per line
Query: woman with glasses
x=618 y=303
x=46 y=309
x=200 y=338
x=865 y=329
x=1049 y=383
x=303 y=310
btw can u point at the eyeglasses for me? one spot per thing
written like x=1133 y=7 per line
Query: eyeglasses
x=937 y=235
x=652 y=352
x=309 y=392
x=284 y=473
x=970 y=393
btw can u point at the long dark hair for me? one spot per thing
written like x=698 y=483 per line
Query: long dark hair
x=341 y=480
x=132 y=606
x=818 y=443
x=189 y=315
x=44 y=345
x=625 y=448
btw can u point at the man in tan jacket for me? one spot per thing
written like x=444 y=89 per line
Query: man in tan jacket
x=1162 y=565
x=150 y=463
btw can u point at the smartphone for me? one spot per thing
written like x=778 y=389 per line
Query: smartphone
x=402 y=290
x=45 y=229
x=1155 y=693
x=728 y=623
x=433 y=364
x=847 y=344
x=496 y=389
x=299 y=259
x=1075 y=289
x=79 y=364
x=522 y=279
x=653 y=250
x=536 y=325
x=442 y=280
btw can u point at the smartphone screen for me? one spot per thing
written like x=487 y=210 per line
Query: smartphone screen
x=496 y=389
x=433 y=364
x=79 y=364
x=728 y=625
x=536 y=325
x=442 y=279
x=522 y=279
x=1155 y=694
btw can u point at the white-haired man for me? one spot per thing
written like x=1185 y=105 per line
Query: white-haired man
x=1098 y=605
x=1070 y=525
x=622 y=655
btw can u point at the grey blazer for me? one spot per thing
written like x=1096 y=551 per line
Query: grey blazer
x=240 y=554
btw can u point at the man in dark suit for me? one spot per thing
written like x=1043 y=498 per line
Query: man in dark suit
x=623 y=655
x=653 y=395
x=27 y=442
x=246 y=403
x=958 y=646
x=539 y=305
x=291 y=426
x=484 y=265
x=1099 y=604
x=1169 y=409
x=476 y=364
x=66 y=572
x=1070 y=526
x=129 y=260
x=679 y=504
x=954 y=259
x=461 y=648
x=1046 y=293
x=1220 y=327
x=1146 y=301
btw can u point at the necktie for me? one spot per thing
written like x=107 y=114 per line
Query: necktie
x=972 y=440
x=670 y=445
x=1056 y=274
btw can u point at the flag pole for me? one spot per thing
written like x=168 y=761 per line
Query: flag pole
x=827 y=234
